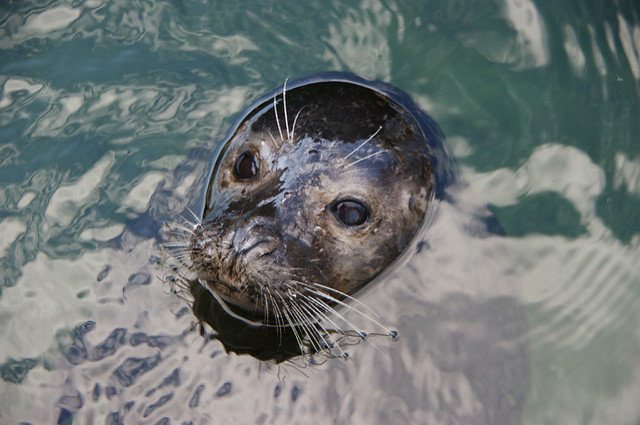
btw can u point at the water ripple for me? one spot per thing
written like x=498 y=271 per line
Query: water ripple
x=110 y=111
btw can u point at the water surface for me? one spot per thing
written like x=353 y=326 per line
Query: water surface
x=111 y=110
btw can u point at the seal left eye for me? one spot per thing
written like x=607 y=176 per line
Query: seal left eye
x=246 y=166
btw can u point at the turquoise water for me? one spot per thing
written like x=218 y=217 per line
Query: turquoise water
x=110 y=111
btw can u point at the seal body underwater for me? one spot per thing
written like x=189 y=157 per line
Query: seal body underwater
x=320 y=188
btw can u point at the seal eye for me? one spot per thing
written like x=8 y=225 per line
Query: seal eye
x=350 y=213
x=246 y=166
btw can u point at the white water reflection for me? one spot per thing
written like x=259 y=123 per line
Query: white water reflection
x=627 y=173
x=630 y=40
x=15 y=85
x=10 y=229
x=532 y=43
x=67 y=201
x=574 y=51
x=360 y=40
x=140 y=193
x=551 y=168
x=19 y=29
x=583 y=290
x=529 y=329
x=53 y=122
x=49 y=20
x=597 y=54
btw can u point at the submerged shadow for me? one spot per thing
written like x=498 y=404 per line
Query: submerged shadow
x=264 y=343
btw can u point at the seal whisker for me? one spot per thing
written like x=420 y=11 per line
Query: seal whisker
x=186 y=222
x=275 y=111
x=333 y=311
x=184 y=257
x=175 y=226
x=329 y=297
x=177 y=253
x=314 y=328
x=277 y=314
x=180 y=256
x=296 y=323
x=284 y=102
x=362 y=159
x=291 y=324
x=176 y=244
x=363 y=143
x=316 y=325
x=280 y=311
x=313 y=312
x=178 y=237
x=359 y=332
x=305 y=324
x=178 y=231
x=272 y=138
x=295 y=295
x=265 y=311
x=196 y=219
x=347 y=296
x=293 y=128
x=324 y=316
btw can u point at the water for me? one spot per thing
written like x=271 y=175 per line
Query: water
x=109 y=112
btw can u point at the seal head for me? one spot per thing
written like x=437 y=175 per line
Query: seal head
x=319 y=189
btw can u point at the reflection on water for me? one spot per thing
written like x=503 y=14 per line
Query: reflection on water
x=109 y=112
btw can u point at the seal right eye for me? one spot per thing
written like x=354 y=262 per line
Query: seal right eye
x=350 y=213
x=246 y=166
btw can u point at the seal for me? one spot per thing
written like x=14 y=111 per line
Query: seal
x=320 y=188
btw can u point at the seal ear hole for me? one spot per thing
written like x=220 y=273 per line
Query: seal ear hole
x=246 y=166
x=350 y=212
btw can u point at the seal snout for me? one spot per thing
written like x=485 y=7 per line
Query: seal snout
x=229 y=252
